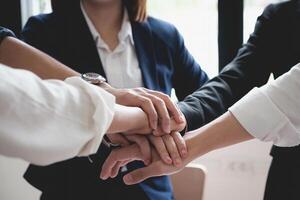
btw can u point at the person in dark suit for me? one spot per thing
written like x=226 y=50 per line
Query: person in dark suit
x=273 y=48
x=158 y=60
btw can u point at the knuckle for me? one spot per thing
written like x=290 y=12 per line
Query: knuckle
x=145 y=100
x=159 y=101
x=140 y=90
x=166 y=138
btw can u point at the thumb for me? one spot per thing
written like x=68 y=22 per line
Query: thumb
x=177 y=126
x=140 y=175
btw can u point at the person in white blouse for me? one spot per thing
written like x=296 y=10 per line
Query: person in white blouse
x=43 y=121
x=269 y=113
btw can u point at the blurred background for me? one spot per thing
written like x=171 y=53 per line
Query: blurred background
x=235 y=173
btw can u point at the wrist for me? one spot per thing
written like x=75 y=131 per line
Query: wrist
x=107 y=87
x=197 y=143
x=139 y=121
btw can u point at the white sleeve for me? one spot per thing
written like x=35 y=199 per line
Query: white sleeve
x=272 y=112
x=46 y=121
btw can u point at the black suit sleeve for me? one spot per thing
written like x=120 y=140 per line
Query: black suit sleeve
x=5 y=33
x=33 y=33
x=188 y=76
x=250 y=68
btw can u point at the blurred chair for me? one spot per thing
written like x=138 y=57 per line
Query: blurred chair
x=189 y=183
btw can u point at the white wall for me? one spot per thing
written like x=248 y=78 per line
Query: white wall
x=238 y=172
x=12 y=185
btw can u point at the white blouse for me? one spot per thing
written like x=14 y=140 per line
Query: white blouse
x=121 y=65
x=46 y=121
x=272 y=112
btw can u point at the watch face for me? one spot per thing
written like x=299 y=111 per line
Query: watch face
x=93 y=78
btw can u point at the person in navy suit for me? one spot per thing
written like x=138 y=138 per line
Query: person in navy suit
x=115 y=39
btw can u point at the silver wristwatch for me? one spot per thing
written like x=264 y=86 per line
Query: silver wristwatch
x=93 y=78
x=97 y=79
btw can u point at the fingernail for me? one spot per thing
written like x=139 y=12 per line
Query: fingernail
x=168 y=160
x=154 y=125
x=177 y=161
x=184 y=152
x=102 y=177
x=167 y=129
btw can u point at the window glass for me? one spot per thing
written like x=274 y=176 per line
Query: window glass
x=197 y=21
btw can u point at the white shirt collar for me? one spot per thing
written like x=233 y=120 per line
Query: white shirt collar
x=125 y=32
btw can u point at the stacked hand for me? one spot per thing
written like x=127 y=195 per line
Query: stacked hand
x=124 y=155
x=171 y=148
x=154 y=139
x=158 y=106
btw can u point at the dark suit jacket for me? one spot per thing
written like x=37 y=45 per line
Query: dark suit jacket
x=273 y=47
x=5 y=33
x=165 y=64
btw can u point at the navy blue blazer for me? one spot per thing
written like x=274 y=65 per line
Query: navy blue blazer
x=165 y=64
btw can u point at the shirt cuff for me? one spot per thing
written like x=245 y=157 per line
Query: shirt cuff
x=104 y=106
x=262 y=119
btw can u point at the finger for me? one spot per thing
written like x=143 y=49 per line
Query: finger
x=118 y=166
x=162 y=111
x=177 y=126
x=144 y=146
x=160 y=132
x=180 y=143
x=122 y=154
x=172 y=149
x=115 y=170
x=172 y=107
x=140 y=175
x=108 y=165
x=147 y=106
x=160 y=147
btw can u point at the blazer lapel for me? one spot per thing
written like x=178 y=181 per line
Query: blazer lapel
x=142 y=36
x=81 y=44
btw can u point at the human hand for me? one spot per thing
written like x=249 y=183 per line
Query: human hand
x=171 y=148
x=158 y=106
x=126 y=140
x=156 y=168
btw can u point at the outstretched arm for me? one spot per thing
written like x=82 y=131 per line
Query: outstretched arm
x=269 y=113
x=156 y=105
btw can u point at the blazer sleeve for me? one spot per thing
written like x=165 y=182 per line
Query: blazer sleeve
x=271 y=113
x=34 y=33
x=250 y=68
x=188 y=74
x=5 y=33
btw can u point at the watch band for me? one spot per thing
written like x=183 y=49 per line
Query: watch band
x=106 y=141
